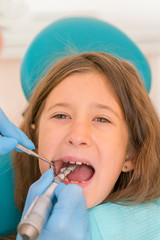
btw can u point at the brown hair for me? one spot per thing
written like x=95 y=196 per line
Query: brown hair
x=141 y=184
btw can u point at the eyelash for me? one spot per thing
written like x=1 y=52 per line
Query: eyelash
x=98 y=119
x=59 y=116
x=102 y=120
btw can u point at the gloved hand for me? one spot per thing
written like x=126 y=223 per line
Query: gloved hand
x=12 y=135
x=69 y=218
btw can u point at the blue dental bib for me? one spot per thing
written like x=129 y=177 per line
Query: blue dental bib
x=111 y=221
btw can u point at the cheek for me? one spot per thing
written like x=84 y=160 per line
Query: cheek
x=112 y=165
x=43 y=166
x=112 y=158
x=49 y=141
x=45 y=149
x=45 y=146
x=114 y=153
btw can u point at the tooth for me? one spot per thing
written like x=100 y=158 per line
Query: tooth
x=62 y=169
x=79 y=163
x=72 y=162
x=88 y=164
x=74 y=181
x=83 y=181
x=66 y=179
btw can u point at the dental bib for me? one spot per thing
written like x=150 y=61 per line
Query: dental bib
x=111 y=221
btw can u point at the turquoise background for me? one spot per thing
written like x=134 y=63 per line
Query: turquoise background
x=76 y=35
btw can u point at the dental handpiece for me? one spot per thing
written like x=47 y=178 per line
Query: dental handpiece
x=37 y=215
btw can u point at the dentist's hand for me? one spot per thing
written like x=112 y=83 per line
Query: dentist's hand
x=69 y=218
x=11 y=136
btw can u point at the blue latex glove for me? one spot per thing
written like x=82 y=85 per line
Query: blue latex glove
x=12 y=135
x=69 y=218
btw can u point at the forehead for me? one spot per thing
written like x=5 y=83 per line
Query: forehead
x=86 y=83
x=83 y=89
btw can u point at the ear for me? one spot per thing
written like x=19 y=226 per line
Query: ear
x=33 y=126
x=128 y=164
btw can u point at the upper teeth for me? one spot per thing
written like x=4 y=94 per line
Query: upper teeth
x=78 y=163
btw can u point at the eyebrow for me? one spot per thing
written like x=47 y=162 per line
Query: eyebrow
x=94 y=105
x=105 y=107
x=59 y=105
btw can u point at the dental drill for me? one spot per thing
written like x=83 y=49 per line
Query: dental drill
x=38 y=213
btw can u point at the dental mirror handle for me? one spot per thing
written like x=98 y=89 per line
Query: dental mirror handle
x=32 y=153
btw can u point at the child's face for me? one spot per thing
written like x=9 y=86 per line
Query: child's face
x=82 y=122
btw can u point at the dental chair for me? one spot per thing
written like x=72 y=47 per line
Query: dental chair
x=63 y=38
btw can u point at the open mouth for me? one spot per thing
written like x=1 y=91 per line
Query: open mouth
x=81 y=174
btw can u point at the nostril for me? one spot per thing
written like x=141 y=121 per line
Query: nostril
x=78 y=140
x=83 y=143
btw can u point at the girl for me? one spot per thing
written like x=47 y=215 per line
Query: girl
x=92 y=110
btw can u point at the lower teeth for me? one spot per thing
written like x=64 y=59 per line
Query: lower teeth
x=66 y=180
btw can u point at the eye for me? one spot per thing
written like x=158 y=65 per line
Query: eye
x=102 y=120
x=61 y=116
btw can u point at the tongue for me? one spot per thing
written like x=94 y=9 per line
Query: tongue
x=81 y=173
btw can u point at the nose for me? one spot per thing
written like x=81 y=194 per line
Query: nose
x=79 y=135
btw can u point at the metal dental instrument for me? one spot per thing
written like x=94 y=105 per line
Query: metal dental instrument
x=38 y=213
x=32 y=153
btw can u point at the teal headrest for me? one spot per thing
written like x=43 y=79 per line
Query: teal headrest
x=70 y=35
